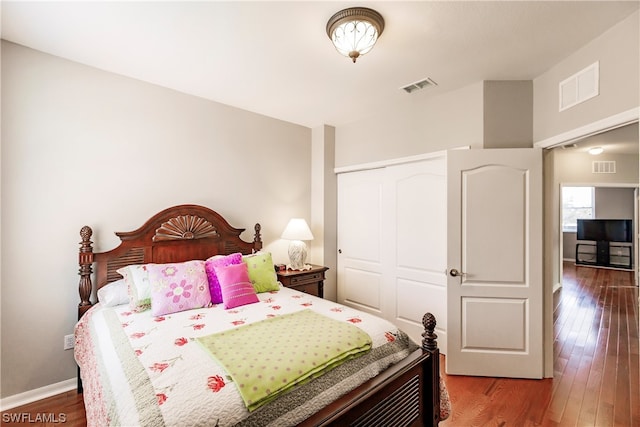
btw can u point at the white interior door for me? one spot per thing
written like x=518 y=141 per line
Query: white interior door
x=495 y=285
x=360 y=243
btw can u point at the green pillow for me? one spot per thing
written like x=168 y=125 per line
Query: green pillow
x=261 y=272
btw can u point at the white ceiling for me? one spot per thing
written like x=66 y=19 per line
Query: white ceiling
x=274 y=58
x=623 y=140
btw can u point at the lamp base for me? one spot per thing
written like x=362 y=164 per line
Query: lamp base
x=297 y=255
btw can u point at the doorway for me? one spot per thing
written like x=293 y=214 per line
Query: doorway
x=572 y=165
x=558 y=170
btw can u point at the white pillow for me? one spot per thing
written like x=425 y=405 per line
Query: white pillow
x=115 y=293
x=137 y=279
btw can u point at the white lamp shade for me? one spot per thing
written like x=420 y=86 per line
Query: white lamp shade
x=297 y=229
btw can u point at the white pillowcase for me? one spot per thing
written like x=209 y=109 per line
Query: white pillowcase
x=115 y=293
x=138 y=288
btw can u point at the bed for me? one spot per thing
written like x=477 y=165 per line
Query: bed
x=167 y=366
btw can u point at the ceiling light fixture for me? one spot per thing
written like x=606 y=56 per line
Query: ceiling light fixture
x=355 y=30
x=596 y=150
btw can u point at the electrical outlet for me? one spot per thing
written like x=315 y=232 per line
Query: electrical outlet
x=69 y=342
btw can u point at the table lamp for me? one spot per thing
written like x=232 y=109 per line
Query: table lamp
x=296 y=231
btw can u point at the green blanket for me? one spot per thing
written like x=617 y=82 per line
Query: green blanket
x=267 y=358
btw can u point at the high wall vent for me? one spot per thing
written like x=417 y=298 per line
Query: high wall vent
x=422 y=84
x=603 y=166
x=580 y=87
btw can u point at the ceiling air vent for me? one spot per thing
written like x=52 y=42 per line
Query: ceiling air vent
x=603 y=166
x=583 y=85
x=425 y=83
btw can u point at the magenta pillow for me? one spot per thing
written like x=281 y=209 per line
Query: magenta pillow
x=178 y=287
x=210 y=265
x=235 y=285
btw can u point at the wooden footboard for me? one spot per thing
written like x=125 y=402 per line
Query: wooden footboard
x=406 y=394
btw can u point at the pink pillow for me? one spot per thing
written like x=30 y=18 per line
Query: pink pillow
x=214 y=283
x=178 y=287
x=235 y=285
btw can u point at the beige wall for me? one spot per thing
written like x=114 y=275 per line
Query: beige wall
x=81 y=146
x=617 y=50
x=613 y=203
x=324 y=199
x=421 y=125
x=577 y=168
x=488 y=114
x=508 y=114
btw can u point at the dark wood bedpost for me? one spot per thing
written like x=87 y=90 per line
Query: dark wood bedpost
x=85 y=260
x=257 y=239
x=430 y=344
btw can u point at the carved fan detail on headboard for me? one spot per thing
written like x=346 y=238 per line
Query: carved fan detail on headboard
x=176 y=234
x=185 y=227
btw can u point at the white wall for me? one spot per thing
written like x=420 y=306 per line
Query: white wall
x=617 y=50
x=85 y=147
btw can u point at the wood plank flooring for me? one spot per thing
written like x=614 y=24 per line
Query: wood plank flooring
x=65 y=409
x=596 y=380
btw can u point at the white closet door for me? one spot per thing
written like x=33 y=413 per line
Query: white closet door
x=360 y=241
x=392 y=257
x=417 y=242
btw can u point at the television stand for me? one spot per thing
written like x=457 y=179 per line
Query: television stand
x=602 y=251
x=604 y=254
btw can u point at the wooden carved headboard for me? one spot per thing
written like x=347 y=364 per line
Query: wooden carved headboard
x=177 y=234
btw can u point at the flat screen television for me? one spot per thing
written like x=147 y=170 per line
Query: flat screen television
x=605 y=230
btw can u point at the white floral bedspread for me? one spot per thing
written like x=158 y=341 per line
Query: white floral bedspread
x=143 y=370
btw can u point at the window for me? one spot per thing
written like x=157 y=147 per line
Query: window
x=577 y=202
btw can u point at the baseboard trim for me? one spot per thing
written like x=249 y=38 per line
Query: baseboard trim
x=37 y=394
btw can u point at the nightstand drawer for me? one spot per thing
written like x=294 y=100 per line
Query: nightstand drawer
x=309 y=281
x=307 y=278
x=311 y=288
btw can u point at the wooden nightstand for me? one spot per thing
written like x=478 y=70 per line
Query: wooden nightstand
x=309 y=281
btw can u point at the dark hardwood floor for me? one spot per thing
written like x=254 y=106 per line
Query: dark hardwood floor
x=596 y=368
x=65 y=409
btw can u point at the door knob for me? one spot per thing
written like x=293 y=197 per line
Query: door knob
x=455 y=273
